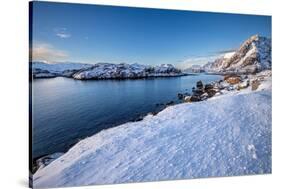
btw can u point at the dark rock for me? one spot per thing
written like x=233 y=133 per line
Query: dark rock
x=43 y=161
x=159 y=104
x=255 y=85
x=195 y=98
x=152 y=113
x=170 y=103
x=198 y=92
x=199 y=85
x=204 y=96
x=211 y=92
x=208 y=87
x=139 y=118
x=180 y=96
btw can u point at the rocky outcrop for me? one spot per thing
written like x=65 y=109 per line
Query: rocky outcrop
x=253 y=56
x=42 y=162
x=199 y=93
x=102 y=71
x=231 y=82
x=126 y=71
x=232 y=79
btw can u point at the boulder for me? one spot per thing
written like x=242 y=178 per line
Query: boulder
x=187 y=98
x=255 y=85
x=204 y=96
x=199 y=85
x=198 y=92
x=211 y=92
x=180 y=96
x=195 y=98
x=232 y=79
x=208 y=87
x=43 y=161
x=243 y=85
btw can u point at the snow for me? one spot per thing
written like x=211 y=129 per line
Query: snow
x=252 y=56
x=224 y=136
x=102 y=70
x=46 y=160
x=125 y=71
x=228 y=55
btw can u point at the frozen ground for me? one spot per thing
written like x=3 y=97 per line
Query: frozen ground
x=223 y=136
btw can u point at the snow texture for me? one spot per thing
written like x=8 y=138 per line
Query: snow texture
x=224 y=136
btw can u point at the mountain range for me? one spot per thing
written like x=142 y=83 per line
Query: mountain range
x=253 y=56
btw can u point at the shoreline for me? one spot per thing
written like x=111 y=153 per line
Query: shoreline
x=174 y=134
x=121 y=79
x=166 y=105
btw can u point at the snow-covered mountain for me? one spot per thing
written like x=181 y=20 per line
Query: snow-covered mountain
x=102 y=70
x=253 y=56
x=121 y=71
x=194 y=69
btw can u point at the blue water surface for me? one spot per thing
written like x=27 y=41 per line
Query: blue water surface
x=65 y=110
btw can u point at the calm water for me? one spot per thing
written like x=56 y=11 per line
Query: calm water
x=67 y=110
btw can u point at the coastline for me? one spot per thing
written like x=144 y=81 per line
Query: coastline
x=155 y=114
x=124 y=78
x=95 y=145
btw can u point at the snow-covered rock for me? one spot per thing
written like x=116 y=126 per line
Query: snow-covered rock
x=254 y=55
x=226 y=135
x=126 y=71
x=102 y=70
x=46 y=160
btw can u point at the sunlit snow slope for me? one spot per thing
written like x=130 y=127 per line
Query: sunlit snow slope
x=225 y=136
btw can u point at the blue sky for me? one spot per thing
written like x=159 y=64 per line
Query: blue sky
x=91 y=34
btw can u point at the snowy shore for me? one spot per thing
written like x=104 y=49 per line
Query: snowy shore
x=226 y=135
x=102 y=71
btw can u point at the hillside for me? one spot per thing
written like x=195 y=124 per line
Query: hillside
x=226 y=135
x=254 y=55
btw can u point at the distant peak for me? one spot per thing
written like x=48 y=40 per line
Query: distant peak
x=254 y=37
x=257 y=37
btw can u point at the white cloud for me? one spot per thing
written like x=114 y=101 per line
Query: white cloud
x=62 y=33
x=199 y=60
x=46 y=52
